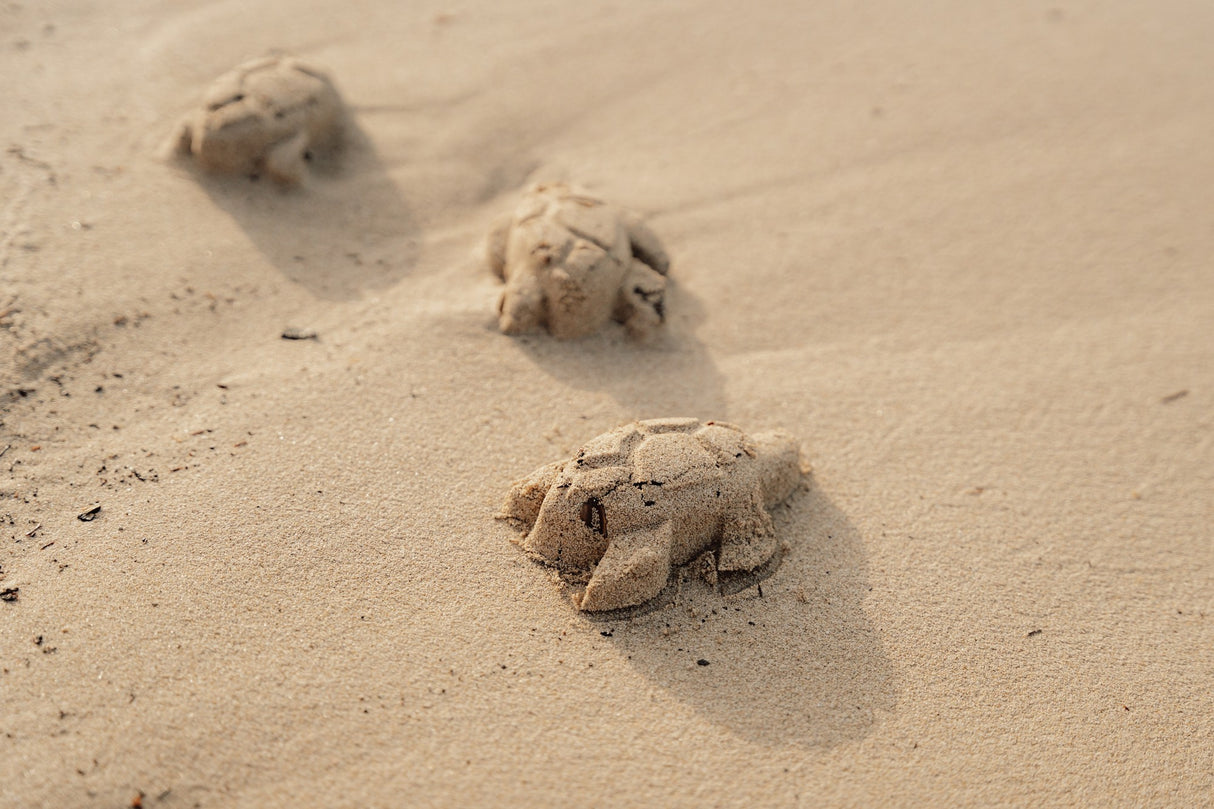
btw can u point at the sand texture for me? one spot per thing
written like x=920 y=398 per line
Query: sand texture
x=962 y=251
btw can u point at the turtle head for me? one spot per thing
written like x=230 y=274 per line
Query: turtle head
x=571 y=531
x=521 y=308
x=229 y=140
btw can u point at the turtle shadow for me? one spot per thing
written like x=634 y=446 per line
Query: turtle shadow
x=671 y=375
x=346 y=231
x=793 y=660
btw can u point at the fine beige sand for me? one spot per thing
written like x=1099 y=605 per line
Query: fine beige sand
x=961 y=250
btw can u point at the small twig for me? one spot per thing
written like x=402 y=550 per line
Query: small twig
x=33 y=531
x=7 y=447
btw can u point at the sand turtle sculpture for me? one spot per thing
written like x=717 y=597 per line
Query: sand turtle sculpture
x=650 y=495
x=571 y=262
x=267 y=116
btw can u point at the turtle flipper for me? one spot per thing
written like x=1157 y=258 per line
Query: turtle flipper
x=495 y=244
x=748 y=538
x=182 y=142
x=285 y=161
x=781 y=468
x=646 y=246
x=523 y=503
x=642 y=303
x=632 y=571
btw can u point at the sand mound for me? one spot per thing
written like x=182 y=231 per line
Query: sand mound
x=267 y=116
x=644 y=497
x=571 y=262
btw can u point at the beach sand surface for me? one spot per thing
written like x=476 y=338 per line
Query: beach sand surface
x=961 y=250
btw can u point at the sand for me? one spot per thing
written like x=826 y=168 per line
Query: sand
x=960 y=250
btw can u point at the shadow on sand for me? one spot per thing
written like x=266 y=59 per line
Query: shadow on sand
x=800 y=664
x=671 y=376
x=346 y=232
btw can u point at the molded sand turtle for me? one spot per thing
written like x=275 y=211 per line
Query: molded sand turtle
x=266 y=116
x=647 y=496
x=571 y=262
